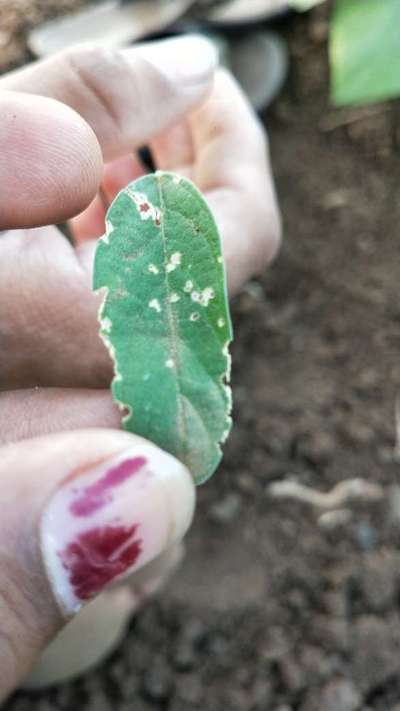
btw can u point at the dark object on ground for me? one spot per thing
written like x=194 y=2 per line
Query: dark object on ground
x=114 y=23
x=259 y=61
x=111 y=23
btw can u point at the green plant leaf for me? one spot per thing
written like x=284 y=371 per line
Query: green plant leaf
x=365 y=51
x=165 y=318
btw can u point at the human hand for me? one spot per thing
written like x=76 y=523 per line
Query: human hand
x=50 y=168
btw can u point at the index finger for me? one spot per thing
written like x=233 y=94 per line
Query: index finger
x=50 y=161
x=224 y=149
x=125 y=95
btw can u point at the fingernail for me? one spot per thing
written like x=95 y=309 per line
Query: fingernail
x=108 y=521
x=189 y=60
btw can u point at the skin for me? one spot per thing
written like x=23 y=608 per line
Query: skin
x=70 y=125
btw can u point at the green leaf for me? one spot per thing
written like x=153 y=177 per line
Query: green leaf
x=165 y=318
x=365 y=51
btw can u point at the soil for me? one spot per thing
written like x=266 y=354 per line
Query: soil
x=280 y=608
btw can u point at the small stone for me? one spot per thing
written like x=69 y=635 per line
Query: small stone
x=276 y=646
x=275 y=436
x=359 y=433
x=394 y=504
x=375 y=651
x=368 y=378
x=157 y=682
x=184 y=658
x=330 y=632
x=319 y=30
x=189 y=689
x=226 y=510
x=255 y=290
x=332 y=520
x=386 y=454
x=176 y=704
x=117 y=672
x=340 y=695
x=233 y=699
x=317 y=666
x=246 y=483
x=377 y=580
x=292 y=675
x=261 y=694
x=260 y=463
x=99 y=702
x=336 y=198
x=185 y=654
x=317 y=447
x=366 y=536
x=218 y=648
x=335 y=602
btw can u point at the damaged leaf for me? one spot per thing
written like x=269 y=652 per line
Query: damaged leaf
x=165 y=318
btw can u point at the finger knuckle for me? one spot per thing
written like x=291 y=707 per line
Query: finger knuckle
x=94 y=59
x=97 y=71
x=108 y=84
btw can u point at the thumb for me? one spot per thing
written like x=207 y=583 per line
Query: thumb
x=50 y=161
x=79 y=511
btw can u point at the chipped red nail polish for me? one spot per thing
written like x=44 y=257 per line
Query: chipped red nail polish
x=94 y=497
x=99 y=555
x=104 y=523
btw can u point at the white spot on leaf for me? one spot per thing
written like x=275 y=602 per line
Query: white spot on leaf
x=174 y=262
x=174 y=298
x=194 y=317
x=155 y=304
x=221 y=322
x=145 y=208
x=188 y=286
x=225 y=351
x=109 y=230
x=169 y=363
x=203 y=297
x=106 y=324
x=207 y=294
x=153 y=269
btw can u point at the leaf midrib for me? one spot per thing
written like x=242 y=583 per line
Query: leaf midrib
x=173 y=341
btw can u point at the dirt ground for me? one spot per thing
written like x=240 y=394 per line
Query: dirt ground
x=280 y=605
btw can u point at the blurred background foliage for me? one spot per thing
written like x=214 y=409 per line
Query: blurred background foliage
x=365 y=51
